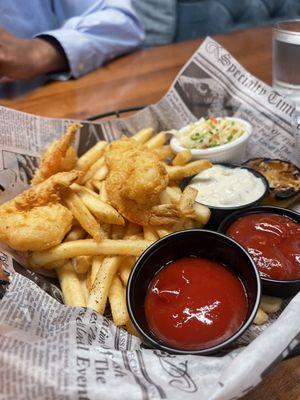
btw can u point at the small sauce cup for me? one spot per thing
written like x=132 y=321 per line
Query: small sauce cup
x=218 y=214
x=273 y=287
x=229 y=152
x=198 y=243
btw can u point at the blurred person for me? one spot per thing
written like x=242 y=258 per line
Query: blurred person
x=64 y=38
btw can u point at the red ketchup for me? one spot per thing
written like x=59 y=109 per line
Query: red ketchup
x=195 y=303
x=273 y=241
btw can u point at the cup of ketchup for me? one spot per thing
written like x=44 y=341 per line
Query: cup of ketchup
x=271 y=235
x=193 y=291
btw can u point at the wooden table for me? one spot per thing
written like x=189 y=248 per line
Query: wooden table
x=140 y=78
x=143 y=78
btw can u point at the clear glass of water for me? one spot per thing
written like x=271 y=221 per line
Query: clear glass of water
x=286 y=59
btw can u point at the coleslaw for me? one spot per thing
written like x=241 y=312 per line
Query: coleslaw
x=210 y=132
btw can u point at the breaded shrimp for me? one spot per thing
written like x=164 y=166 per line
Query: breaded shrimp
x=35 y=220
x=37 y=229
x=60 y=156
x=49 y=191
x=136 y=178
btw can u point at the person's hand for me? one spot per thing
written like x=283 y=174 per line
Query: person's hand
x=28 y=58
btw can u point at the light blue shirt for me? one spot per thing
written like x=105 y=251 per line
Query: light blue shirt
x=90 y=31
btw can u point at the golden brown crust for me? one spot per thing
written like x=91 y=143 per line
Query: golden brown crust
x=60 y=156
x=36 y=229
x=49 y=191
x=35 y=219
x=136 y=178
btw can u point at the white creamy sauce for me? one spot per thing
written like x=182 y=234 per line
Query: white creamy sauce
x=221 y=186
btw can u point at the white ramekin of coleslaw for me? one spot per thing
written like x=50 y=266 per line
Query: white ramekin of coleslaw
x=217 y=139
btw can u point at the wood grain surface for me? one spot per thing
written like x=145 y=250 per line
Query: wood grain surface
x=139 y=78
x=143 y=78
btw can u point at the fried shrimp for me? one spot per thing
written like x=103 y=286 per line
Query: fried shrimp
x=49 y=191
x=136 y=178
x=37 y=229
x=60 y=156
x=35 y=219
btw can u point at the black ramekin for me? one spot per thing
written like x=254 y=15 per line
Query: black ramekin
x=273 y=287
x=196 y=242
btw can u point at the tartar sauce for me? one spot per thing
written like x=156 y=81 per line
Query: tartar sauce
x=220 y=186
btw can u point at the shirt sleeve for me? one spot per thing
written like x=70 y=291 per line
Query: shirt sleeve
x=92 y=32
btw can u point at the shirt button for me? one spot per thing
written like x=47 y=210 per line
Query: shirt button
x=81 y=66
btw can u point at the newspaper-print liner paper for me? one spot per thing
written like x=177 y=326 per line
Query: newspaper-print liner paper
x=50 y=351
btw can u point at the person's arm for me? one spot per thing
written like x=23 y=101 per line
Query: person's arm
x=28 y=58
x=93 y=32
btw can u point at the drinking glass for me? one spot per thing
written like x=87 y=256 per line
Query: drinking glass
x=286 y=59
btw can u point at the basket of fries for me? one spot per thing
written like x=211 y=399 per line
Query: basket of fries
x=89 y=218
x=84 y=221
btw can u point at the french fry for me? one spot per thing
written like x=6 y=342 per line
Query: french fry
x=192 y=168
x=99 y=293
x=101 y=174
x=71 y=286
x=83 y=215
x=202 y=213
x=182 y=158
x=164 y=197
x=125 y=269
x=173 y=194
x=55 y=264
x=270 y=304
x=89 y=185
x=91 y=156
x=191 y=209
x=164 y=231
x=150 y=233
x=97 y=185
x=93 y=169
x=83 y=281
x=88 y=247
x=157 y=141
x=79 y=189
x=117 y=300
x=124 y=274
x=103 y=193
x=143 y=135
x=131 y=329
x=164 y=152
x=101 y=210
x=75 y=233
x=96 y=264
x=261 y=317
x=187 y=200
x=139 y=236
x=82 y=264
x=175 y=188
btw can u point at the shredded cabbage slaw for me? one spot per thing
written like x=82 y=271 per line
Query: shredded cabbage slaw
x=210 y=132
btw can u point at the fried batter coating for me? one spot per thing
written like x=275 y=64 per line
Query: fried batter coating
x=60 y=156
x=135 y=180
x=37 y=229
x=49 y=191
x=35 y=220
